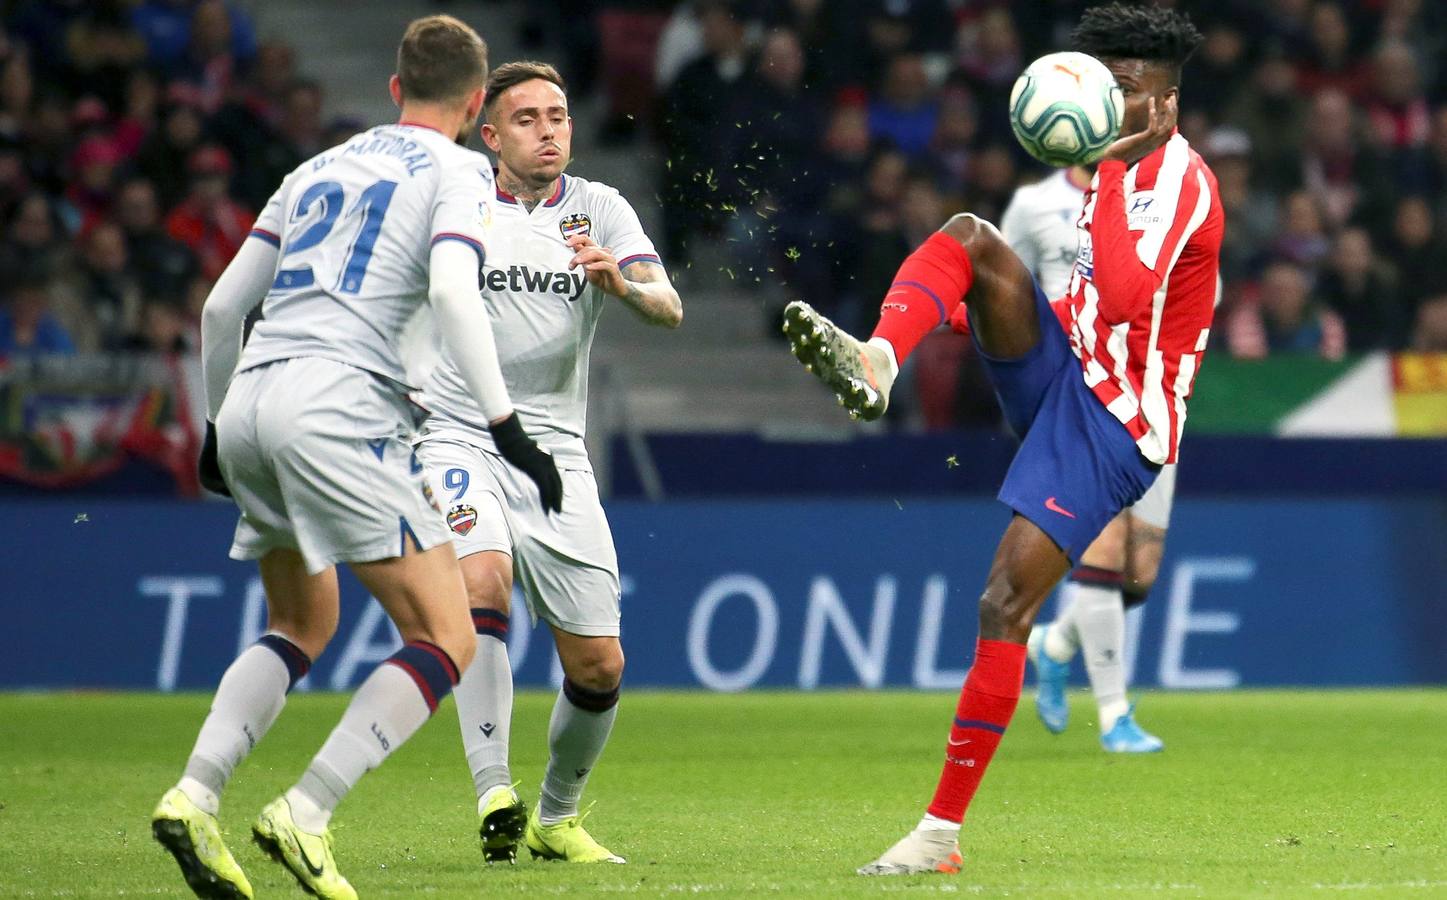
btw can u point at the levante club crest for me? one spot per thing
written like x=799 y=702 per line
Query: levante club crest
x=461 y=518
x=575 y=224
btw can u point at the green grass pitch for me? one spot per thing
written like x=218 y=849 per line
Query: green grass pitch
x=1283 y=794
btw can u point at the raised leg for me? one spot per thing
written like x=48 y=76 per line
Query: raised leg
x=966 y=261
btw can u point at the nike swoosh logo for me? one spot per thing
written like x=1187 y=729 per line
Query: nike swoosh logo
x=311 y=867
x=955 y=743
x=1054 y=507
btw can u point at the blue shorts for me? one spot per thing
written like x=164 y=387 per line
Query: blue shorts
x=1077 y=466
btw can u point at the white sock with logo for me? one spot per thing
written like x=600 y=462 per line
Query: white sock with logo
x=484 y=711
x=582 y=720
x=1100 y=620
x=248 y=700
x=387 y=709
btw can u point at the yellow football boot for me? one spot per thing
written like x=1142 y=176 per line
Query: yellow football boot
x=504 y=820
x=307 y=855
x=567 y=840
x=194 y=838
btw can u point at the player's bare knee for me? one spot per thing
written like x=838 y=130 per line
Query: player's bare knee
x=310 y=634
x=1108 y=550
x=488 y=587
x=1139 y=583
x=1005 y=613
x=599 y=667
x=1143 y=562
x=973 y=232
x=461 y=646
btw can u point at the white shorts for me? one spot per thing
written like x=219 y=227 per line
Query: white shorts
x=1154 y=506
x=565 y=562
x=318 y=455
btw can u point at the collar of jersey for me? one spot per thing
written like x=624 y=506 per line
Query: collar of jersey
x=405 y=124
x=554 y=200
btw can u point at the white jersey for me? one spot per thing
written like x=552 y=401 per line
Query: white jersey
x=543 y=315
x=355 y=225
x=1040 y=226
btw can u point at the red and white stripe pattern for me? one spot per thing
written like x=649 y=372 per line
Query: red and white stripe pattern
x=1140 y=346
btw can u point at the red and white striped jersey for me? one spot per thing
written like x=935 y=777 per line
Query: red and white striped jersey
x=1140 y=302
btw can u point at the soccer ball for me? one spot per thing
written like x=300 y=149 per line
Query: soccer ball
x=1065 y=109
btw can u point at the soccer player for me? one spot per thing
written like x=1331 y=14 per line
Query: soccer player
x=312 y=437
x=1119 y=566
x=564 y=248
x=1095 y=387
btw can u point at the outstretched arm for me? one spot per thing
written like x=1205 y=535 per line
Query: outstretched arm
x=645 y=288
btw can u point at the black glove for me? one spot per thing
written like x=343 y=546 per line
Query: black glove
x=209 y=465
x=522 y=451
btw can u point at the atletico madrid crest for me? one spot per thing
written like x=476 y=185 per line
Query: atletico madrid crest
x=461 y=518
x=575 y=224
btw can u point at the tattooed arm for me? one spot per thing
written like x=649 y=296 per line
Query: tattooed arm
x=646 y=288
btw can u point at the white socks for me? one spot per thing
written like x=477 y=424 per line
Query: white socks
x=582 y=720
x=1061 y=638
x=206 y=800
x=935 y=823
x=889 y=353
x=1093 y=614
x=484 y=711
x=1092 y=620
x=248 y=700
x=395 y=700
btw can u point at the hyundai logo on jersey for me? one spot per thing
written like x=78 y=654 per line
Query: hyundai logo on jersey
x=1140 y=214
x=522 y=278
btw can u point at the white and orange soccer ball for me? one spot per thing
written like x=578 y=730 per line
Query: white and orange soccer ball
x=1065 y=109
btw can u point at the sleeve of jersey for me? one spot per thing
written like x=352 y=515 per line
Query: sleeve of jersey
x=268 y=225
x=1014 y=227
x=621 y=230
x=1129 y=269
x=462 y=211
x=236 y=293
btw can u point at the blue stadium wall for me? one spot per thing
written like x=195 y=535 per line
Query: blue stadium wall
x=736 y=594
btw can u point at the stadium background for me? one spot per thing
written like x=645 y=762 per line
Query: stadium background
x=774 y=150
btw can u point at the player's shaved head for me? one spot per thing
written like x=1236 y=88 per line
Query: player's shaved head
x=440 y=59
x=509 y=75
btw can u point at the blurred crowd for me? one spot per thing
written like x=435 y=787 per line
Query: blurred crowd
x=820 y=140
x=808 y=146
x=138 y=138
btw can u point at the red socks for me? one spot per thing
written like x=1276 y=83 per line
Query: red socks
x=986 y=704
x=926 y=291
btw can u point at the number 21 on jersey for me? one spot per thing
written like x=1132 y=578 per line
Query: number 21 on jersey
x=323 y=203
